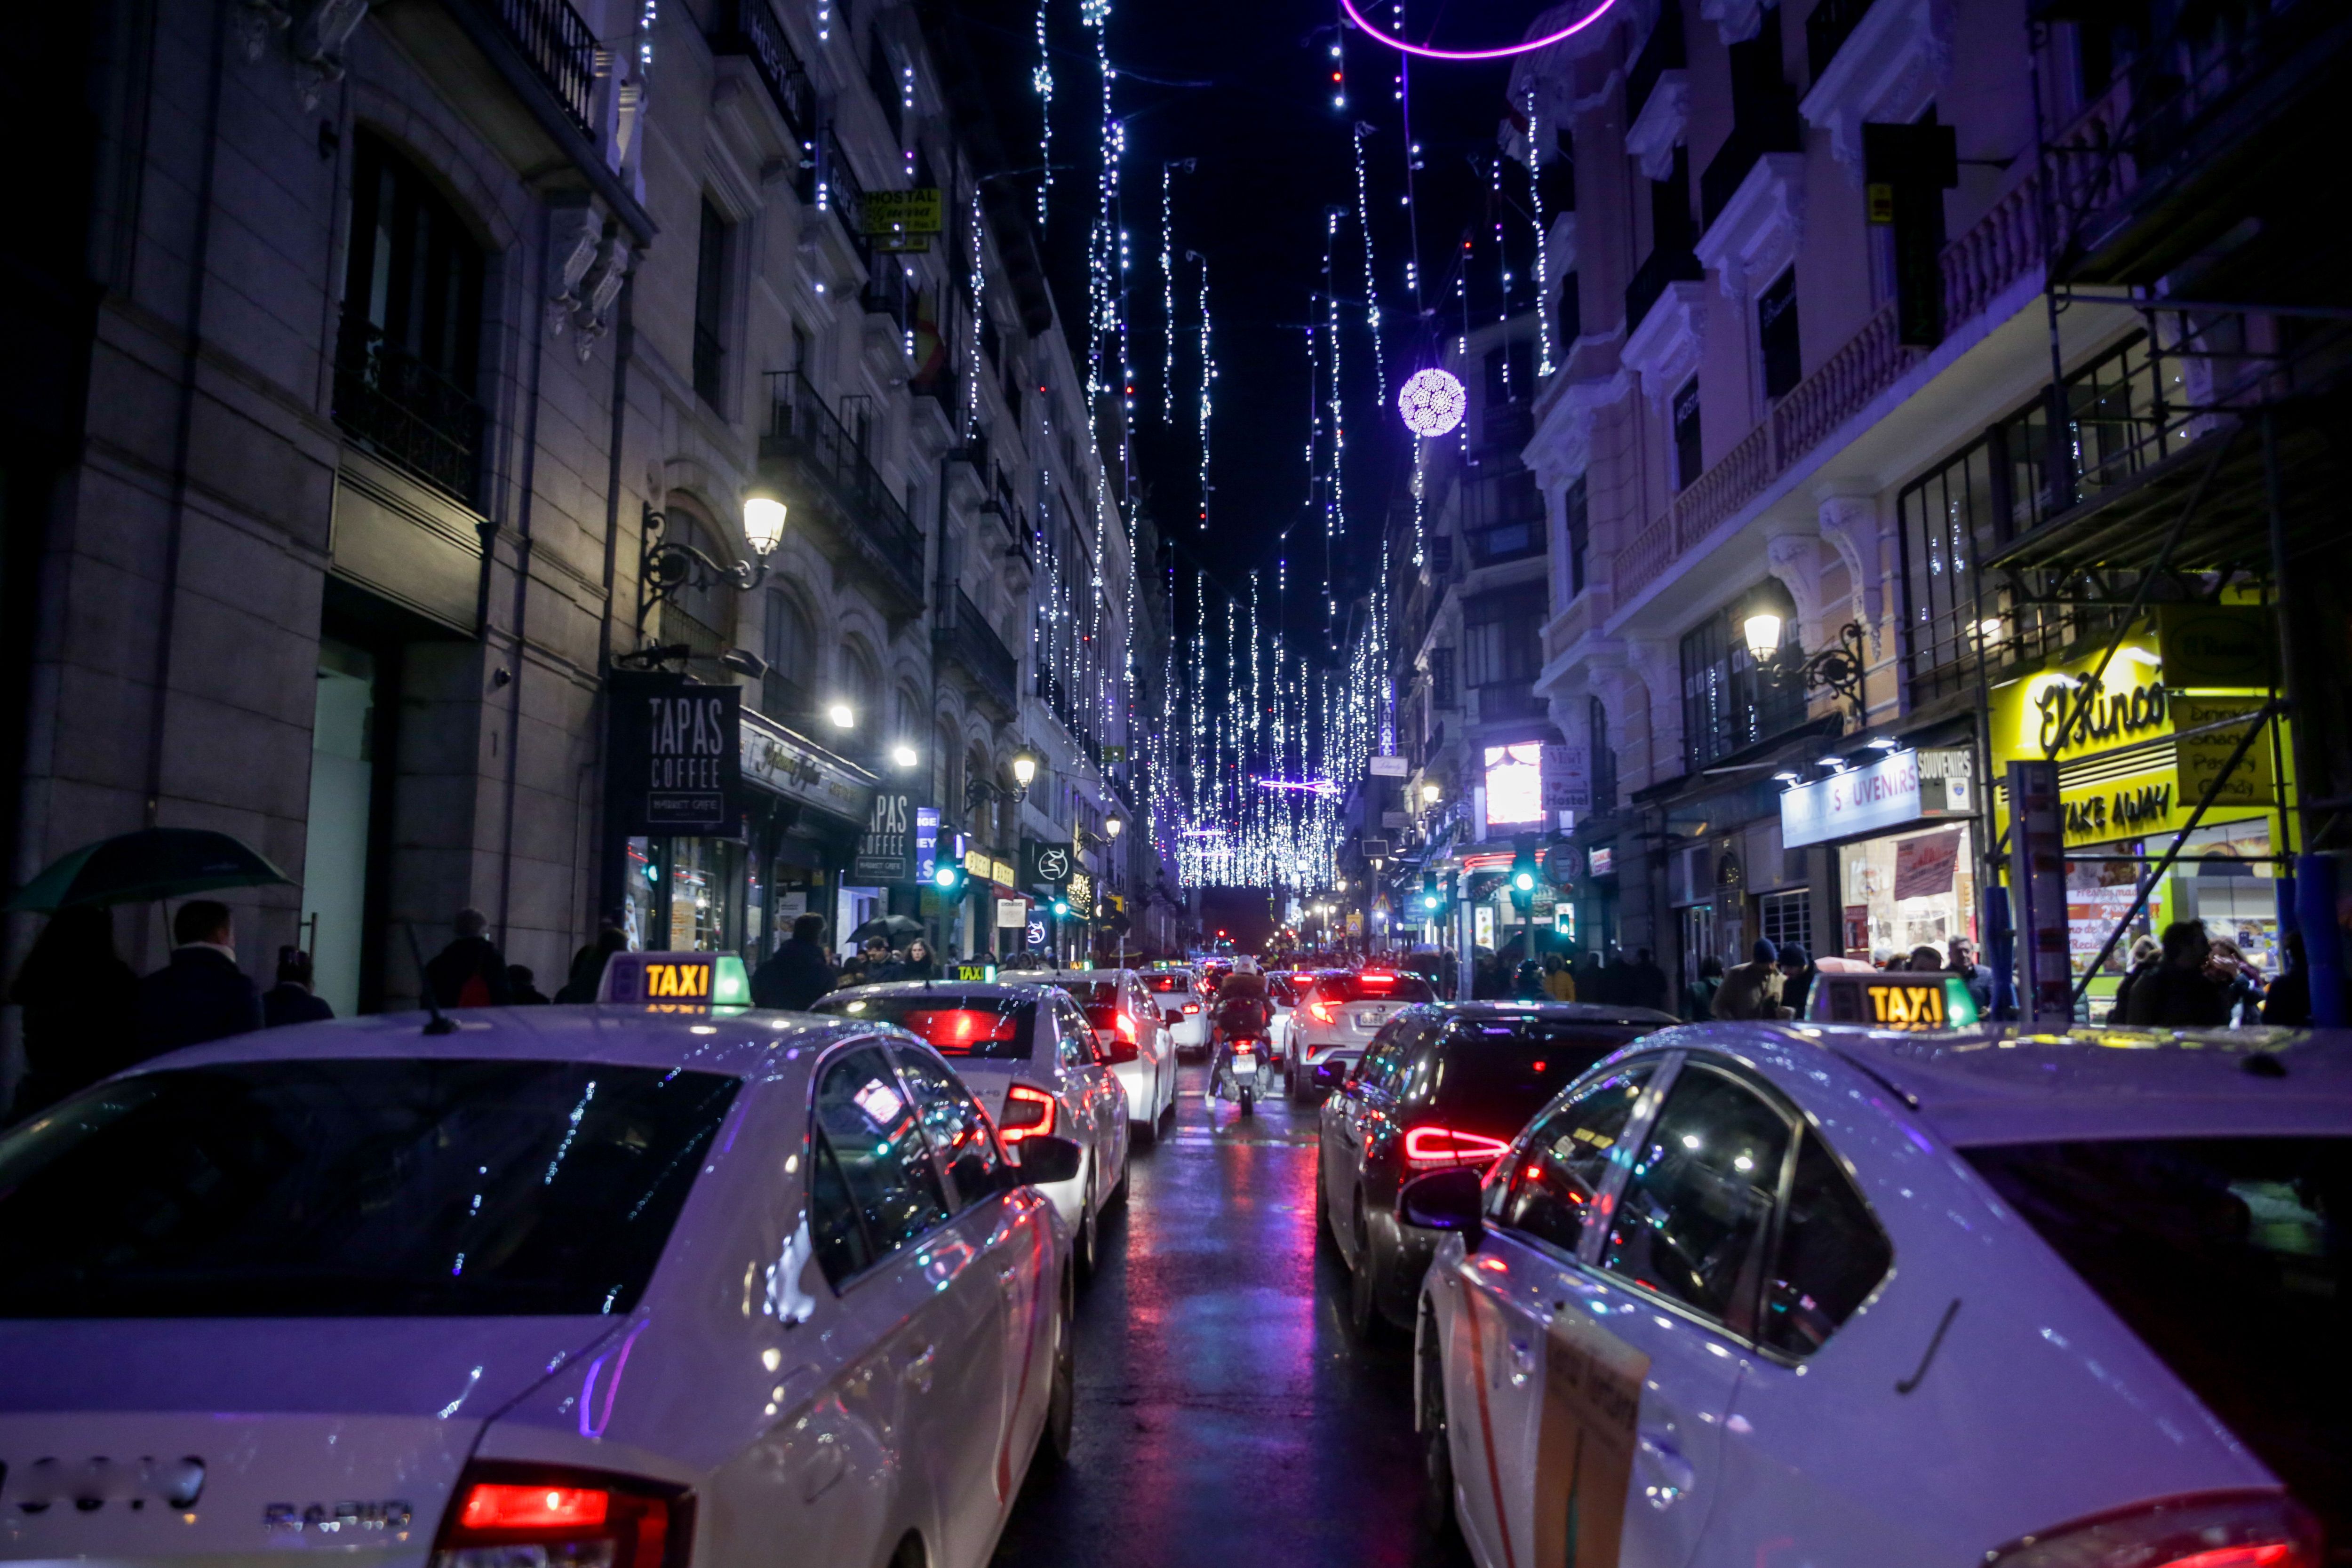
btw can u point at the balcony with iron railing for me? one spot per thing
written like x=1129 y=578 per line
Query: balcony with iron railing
x=829 y=481
x=830 y=184
x=559 y=46
x=753 y=32
x=407 y=413
x=971 y=650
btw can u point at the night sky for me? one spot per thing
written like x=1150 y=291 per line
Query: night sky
x=1242 y=88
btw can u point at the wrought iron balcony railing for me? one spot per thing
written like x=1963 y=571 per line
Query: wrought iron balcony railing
x=753 y=32
x=407 y=413
x=560 y=47
x=856 y=517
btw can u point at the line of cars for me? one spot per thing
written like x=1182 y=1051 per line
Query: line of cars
x=612 y=1287
x=1736 y=1295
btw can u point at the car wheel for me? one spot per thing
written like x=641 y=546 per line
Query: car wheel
x=1297 y=1084
x=1126 y=1159
x=1437 y=1442
x=1363 y=1284
x=1062 y=1402
x=1326 y=1239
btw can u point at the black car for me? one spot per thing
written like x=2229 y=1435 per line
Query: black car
x=1442 y=1086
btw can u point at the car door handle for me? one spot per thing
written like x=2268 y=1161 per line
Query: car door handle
x=824 y=1468
x=918 y=1370
x=1671 y=1474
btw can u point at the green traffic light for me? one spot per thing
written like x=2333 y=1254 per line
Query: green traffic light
x=1525 y=882
x=947 y=876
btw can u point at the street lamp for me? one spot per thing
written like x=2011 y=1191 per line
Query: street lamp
x=1430 y=792
x=668 y=566
x=1025 y=768
x=1761 y=631
x=903 y=755
x=842 y=715
x=763 y=520
x=1114 y=825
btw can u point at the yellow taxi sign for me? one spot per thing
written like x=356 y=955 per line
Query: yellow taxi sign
x=976 y=974
x=1893 y=999
x=676 y=981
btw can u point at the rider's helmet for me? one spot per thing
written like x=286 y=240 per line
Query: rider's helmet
x=1244 y=965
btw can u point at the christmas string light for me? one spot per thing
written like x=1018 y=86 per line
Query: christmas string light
x=1371 y=286
x=1543 y=258
x=1208 y=379
x=1041 y=79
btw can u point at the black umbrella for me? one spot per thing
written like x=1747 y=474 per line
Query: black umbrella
x=891 y=928
x=136 y=868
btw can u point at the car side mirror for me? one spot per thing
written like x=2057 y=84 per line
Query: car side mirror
x=1045 y=1158
x=1446 y=1200
x=1116 y=1049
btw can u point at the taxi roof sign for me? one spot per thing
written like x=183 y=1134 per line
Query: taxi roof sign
x=1892 y=998
x=676 y=982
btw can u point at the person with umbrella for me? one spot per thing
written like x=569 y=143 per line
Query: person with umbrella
x=81 y=1018
x=200 y=994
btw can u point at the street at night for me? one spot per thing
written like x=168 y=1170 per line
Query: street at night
x=1243 y=784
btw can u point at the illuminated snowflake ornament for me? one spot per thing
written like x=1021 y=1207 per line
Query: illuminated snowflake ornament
x=1431 y=402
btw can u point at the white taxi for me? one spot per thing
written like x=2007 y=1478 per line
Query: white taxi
x=1142 y=1049
x=1749 y=1293
x=1035 y=1062
x=1183 y=1006
x=556 y=1285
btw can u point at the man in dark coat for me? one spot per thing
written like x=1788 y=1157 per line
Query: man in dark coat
x=470 y=972
x=2176 y=994
x=201 y=994
x=80 y=1008
x=292 y=1000
x=798 y=971
x=1649 y=982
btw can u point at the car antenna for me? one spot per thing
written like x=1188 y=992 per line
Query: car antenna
x=440 y=1022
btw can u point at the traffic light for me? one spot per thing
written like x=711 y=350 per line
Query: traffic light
x=1431 y=901
x=1523 y=878
x=1061 y=908
x=948 y=878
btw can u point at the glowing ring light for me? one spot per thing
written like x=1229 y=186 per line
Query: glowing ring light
x=1433 y=402
x=1426 y=52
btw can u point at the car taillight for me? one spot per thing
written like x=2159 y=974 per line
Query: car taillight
x=1450 y=1147
x=1125 y=1024
x=514 y=1516
x=1028 y=1113
x=2261 y=1529
x=1322 y=1012
x=1191 y=1007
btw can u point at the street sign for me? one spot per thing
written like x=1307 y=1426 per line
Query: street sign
x=677 y=757
x=1389 y=768
x=1567 y=777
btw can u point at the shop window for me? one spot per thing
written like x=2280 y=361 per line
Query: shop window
x=1919 y=889
x=1688 y=455
x=710 y=293
x=335 y=847
x=784 y=690
x=1776 y=335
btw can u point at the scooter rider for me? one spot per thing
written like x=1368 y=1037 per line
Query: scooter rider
x=1243 y=1011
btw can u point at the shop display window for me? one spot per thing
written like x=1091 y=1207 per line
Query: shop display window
x=1907 y=890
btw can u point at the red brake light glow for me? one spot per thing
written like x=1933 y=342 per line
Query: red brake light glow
x=1322 y=1012
x=952 y=1029
x=491 y=1506
x=1450 y=1147
x=1028 y=1113
x=1191 y=1007
x=1376 y=977
x=581 y=1519
x=1125 y=1024
x=2277 y=1554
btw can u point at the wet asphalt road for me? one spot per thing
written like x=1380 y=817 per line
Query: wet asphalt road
x=1227 y=1414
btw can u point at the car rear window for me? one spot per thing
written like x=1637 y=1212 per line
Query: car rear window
x=1492 y=1075
x=360 y=1187
x=991 y=1028
x=2226 y=1256
x=1091 y=994
x=1373 y=988
x=1164 y=983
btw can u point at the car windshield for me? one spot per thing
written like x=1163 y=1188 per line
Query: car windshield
x=994 y=1028
x=1491 y=1075
x=1373 y=987
x=2226 y=1256
x=352 y=1188
x=1164 y=983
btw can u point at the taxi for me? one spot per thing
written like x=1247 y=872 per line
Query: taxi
x=1028 y=1051
x=627 y=1286
x=1791 y=1294
x=1141 y=1047
x=1178 y=991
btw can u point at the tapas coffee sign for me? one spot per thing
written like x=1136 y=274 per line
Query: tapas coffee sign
x=677 y=757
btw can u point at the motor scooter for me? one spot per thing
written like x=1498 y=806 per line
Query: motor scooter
x=1245 y=1069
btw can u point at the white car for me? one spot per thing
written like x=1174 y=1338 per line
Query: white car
x=1336 y=1018
x=1035 y=1062
x=567 y=1285
x=1181 y=1007
x=1128 y=1020
x=1793 y=1295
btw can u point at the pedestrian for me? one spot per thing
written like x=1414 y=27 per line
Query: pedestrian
x=1591 y=981
x=292 y=1000
x=866 y=963
x=1925 y=960
x=917 y=963
x=2177 y=993
x=1796 y=972
x=797 y=972
x=1485 y=979
x=1698 y=997
x=80 y=1002
x=587 y=974
x=200 y=994
x=1623 y=990
x=2288 y=1003
x=1649 y=982
x=1752 y=990
x=522 y=987
x=2237 y=982
x=469 y=972
x=1527 y=983
x=2146 y=955
x=1961 y=955
x=1557 y=982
